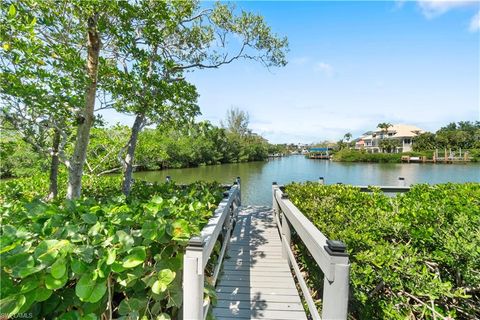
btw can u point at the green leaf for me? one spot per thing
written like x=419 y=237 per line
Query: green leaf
x=29 y=301
x=136 y=257
x=117 y=267
x=149 y=230
x=59 y=268
x=11 y=305
x=29 y=284
x=128 y=306
x=19 y=262
x=125 y=239
x=25 y=272
x=89 y=218
x=90 y=316
x=12 y=11
x=163 y=316
x=71 y=315
x=89 y=290
x=85 y=253
x=165 y=277
x=78 y=266
x=42 y=294
x=54 y=284
x=47 y=251
x=180 y=230
x=111 y=256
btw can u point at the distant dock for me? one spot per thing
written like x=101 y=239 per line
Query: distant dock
x=449 y=158
x=319 y=153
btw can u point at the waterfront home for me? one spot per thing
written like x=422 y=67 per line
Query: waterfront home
x=403 y=133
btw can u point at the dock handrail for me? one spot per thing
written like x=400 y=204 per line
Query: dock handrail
x=330 y=256
x=199 y=250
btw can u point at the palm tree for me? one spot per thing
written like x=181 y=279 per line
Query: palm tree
x=384 y=126
x=347 y=136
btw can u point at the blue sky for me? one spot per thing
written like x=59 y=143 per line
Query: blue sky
x=353 y=64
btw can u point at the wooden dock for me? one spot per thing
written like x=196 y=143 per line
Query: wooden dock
x=256 y=282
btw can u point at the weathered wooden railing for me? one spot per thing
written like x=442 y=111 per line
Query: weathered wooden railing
x=330 y=256
x=200 y=249
x=399 y=188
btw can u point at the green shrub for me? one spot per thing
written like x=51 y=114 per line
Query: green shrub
x=348 y=155
x=407 y=253
x=103 y=253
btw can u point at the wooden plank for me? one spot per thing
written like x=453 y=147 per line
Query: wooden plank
x=252 y=297
x=262 y=277
x=239 y=304
x=260 y=313
x=229 y=269
x=278 y=283
x=258 y=261
x=256 y=273
x=257 y=290
x=256 y=281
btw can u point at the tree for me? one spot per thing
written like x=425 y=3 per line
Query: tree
x=389 y=144
x=237 y=121
x=94 y=17
x=59 y=72
x=38 y=92
x=463 y=135
x=384 y=126
x=156 y=41
x=424 y=141
x=347 y=136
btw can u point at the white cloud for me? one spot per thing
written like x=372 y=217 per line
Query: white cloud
x=434 y=8
x=475 y=23
x=324 y=68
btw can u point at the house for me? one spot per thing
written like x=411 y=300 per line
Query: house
x=403 y=133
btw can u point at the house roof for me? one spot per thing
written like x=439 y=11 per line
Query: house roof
x=403 y=130
x=367 y=137
x=398 y=130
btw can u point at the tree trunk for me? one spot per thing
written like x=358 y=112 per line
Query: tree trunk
x=128 y=162
x=86 y=118
x=53 y=190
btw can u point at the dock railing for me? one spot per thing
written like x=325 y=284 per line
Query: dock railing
x=330 y=255
x=199 y=251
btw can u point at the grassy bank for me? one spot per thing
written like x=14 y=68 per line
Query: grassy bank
x=348 y=155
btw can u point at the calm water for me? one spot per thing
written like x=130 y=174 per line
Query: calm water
x=257 y=177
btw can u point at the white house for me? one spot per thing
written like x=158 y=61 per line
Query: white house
x=404 y=133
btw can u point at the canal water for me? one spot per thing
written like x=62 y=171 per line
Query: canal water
x=257 y=177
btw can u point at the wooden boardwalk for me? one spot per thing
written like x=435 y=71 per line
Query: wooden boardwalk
x=256 y=282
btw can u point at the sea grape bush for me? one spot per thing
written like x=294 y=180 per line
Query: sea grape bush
x=103 y=256
x=413 y=256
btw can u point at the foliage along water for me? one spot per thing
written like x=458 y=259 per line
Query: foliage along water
x=257 y=177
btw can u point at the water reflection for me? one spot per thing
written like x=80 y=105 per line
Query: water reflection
x=257 y=177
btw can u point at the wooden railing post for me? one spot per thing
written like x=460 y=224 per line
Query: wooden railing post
x=335 y=292
x=274 y=201
x=330 y=255
x=238 y=182
x=193 y=280
x=287 y=235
